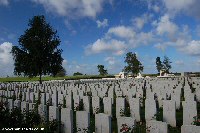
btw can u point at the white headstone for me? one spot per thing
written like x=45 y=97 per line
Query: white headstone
x=150 y=109
x=53 y=113
x=55 y=99
x=169 y=112
x=86 y=103
x=120 y=107
x=107 y=101
x=10 y=104
x=68 y=101
x=17 y=103
x=189 y=112
x=125 y=124
x=134 y=104
x=43 y=98
x=76 y=103
x=42 y=111
x=156 y=127
x=95 y=105
x=67 y=120
x=24 y=106
x=82 y=121
x=190 y=129
x=102 y=123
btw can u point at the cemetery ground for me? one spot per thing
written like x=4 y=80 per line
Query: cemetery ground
x=47 y=78
x=147 y=105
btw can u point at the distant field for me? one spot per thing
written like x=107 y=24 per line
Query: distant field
x=24 y=79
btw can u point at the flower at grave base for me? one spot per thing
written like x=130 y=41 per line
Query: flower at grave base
x=124 y=128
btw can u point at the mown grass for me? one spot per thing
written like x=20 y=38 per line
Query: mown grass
x=47 y=78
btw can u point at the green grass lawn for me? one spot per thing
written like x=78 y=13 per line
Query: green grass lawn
x=24 y=79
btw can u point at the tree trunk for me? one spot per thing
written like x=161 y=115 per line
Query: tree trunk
x=40 y=78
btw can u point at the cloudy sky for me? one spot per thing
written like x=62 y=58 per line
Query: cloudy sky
x=96 y=32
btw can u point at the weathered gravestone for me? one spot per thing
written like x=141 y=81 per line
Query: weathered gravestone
x=42 y=111
x=68 y=101
x=86 y=103
x=120 y=107
x=82 y=122
x=102 y=123
x=156 y=127
x=107 y=101
x=169 y=112
x=95 y=104
x=17 y=103
x=189 y=112
x=190 y=129
x=67 y=120
x=53 y=113
x=134 y=104
x=150 y=109
x=125 y=124
x=24 y=106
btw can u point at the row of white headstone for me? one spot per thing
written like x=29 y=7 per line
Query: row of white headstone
x=133 y=90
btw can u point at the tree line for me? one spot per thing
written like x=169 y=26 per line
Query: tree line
x=39 y=54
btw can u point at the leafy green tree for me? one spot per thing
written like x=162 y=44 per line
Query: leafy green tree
x=61 y=73
x=133 y=64
x=159 y=64
x=101 y=70
x=167 y=64
x=38 y=53
x=77 y=73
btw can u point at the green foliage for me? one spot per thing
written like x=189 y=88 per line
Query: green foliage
x=166 y=64
x=101 y=70
x=31 y=119
x=77 y=73
x=37 y=53
x=159 y=64
x=61 y=73
x=133 y=64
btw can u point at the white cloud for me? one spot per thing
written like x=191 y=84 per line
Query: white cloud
x=110 y=60
x=122 y=32
x=73 y=8
x=4 y=2
x=177 y=5
x=6 y=65
x=189 y=7
x=5 y=55
x=192 y=48
x=179 y=62
x=103 y=24
x=101 y=45
x=118 y=39
x=166 y=26
x=160 y=46
x=142 y=38
x=139 y=22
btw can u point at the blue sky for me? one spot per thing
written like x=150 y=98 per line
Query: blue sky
x=96 y=32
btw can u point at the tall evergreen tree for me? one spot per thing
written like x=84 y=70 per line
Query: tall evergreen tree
x=167 y=64
x=38 y=53
x=159 y=64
